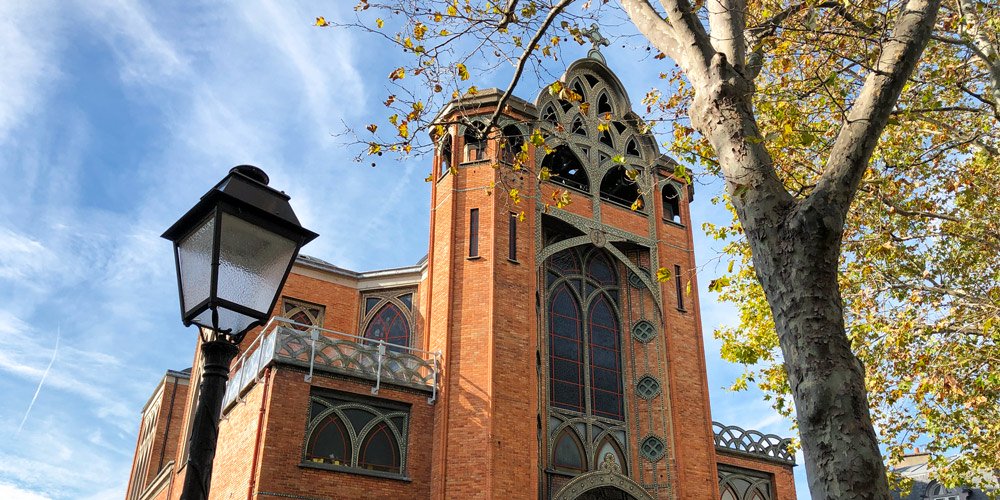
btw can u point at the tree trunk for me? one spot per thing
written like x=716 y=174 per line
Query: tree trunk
x=797 y=264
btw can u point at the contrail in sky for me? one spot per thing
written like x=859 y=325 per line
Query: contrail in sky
x=41 y=382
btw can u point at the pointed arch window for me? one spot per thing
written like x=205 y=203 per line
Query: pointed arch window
x=367 y=436
x=549 y=114
x=390 y=326
x=475 y=142
x=584 y=331
x=604 y=104
x=567 y=454
x=379 y=450
x=632 y=147
x=565 y=351
x=303 y=313
x=445 y=155
x=578 y=88
x=605 y=364
x=671 y=203
x=565 y=168
x=513 y=140
x=617 y=188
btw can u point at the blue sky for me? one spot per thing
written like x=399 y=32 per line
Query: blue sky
x=115 y=116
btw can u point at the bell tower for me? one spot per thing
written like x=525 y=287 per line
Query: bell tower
x=481 y=313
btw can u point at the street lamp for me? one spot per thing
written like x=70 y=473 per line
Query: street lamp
x=233 y=251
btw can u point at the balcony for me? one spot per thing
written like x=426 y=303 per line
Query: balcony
x=284 y=341
x=731 y=438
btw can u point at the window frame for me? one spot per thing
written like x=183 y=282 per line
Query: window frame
x=384 y=411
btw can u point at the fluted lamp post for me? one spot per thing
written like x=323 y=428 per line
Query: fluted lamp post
x=233 y=251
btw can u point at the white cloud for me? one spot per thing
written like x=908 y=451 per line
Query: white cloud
x=11 y=492
x=29 y=52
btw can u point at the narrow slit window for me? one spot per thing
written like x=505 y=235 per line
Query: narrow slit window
x=474 y=232
x=679 y=286
x=512 y=238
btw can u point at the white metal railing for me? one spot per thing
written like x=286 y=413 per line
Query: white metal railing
x=319 y=349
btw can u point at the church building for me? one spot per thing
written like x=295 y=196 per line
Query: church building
x=532 y=354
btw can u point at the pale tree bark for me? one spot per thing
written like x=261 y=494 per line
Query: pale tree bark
x=796 y=244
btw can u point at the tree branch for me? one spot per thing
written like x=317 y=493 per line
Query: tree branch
x=727 y=23
x=681 y=36
x=755 y=36
x=523 y=60
x=859 y=135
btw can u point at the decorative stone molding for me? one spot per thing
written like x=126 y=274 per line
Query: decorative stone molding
x=605 y=477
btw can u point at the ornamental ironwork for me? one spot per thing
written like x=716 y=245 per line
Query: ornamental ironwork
x=752 y=442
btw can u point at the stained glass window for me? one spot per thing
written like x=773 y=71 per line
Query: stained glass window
x=568 y=453
x=379 y=450
x=350 y=434
x=605 y=368
x=303 y=313
x=389 y=325
x=565 y=351
x=584 y=333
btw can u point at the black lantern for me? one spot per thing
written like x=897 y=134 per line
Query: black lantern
x=234 y=250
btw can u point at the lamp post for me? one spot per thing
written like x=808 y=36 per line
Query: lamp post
x=233 y=251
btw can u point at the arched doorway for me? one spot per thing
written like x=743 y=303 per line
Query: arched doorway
x=605 y=493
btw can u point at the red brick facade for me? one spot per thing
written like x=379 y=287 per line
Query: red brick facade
x=483 y=427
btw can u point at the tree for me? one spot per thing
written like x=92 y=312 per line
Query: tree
x=793 y=216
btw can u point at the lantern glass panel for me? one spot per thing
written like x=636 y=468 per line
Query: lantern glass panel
x=252 y=265
x=194 y=259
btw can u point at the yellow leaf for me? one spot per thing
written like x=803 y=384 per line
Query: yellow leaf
x=397 y=74
x=321 y=21
x=462 y=72
x=379 y=22
x=520 y=216
x=419 y=31
x=452 y=11
x=515 y=195
x=663 y=275
x=544 y=174
x=584 y=107
x=637 y=204
x=438 y=17
x=429 y=178
x=374 y=148
x=404 y=130
x=602 y=127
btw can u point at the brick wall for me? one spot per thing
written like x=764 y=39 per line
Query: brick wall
x=782 y=477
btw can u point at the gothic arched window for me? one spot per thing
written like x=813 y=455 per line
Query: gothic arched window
x=475 y=142
x=348 y=434
x=512 y=142
x=617 y=188
x=568 y=452
x=446 y=155
x=379 y=450
x=565 y=168
x=389 y=325
x=331 y=441
x=565 y=351
x=605 y=368
x=671 y=203
x=584 y=331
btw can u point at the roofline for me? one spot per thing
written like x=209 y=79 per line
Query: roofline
x=485 y=98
